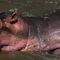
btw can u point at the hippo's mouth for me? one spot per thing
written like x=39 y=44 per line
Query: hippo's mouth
x=10 y=48
x=6 y=48
x=15 y=47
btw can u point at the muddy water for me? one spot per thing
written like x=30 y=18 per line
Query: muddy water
x=29 y=8
x=27 y=56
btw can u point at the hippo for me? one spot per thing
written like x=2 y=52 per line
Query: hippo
x=19 y=33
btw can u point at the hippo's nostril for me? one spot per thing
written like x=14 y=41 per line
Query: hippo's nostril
x=13 y=22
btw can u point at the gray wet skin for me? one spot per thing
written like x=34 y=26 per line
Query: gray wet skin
x=30 y=33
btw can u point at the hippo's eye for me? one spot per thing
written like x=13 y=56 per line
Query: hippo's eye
x=13 y=22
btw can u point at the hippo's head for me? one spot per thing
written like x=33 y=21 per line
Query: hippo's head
x=13 y=32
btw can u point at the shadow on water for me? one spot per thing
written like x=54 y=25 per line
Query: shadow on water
x=29 y=8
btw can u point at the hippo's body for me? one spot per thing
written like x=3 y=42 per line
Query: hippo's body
x=29 y=33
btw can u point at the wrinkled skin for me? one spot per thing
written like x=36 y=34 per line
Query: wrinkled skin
x=30 y=33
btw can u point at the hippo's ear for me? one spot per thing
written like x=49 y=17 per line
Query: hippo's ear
x=14 y=18
x=14 y=15
x=1 y=11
